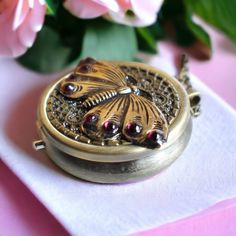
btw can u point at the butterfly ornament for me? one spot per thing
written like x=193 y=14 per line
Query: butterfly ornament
x=115 y=108
x=116 y=122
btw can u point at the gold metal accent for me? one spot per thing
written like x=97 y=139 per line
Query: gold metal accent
x=194 y=96
x=39 y=145
x=120 y=157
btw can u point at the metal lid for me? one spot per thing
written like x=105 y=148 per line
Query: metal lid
x=58 y=120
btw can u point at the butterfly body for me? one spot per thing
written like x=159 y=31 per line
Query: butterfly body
x=115 y=107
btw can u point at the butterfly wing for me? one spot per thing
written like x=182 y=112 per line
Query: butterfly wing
x=144 y=123
x=111 y=113
x=132 y=117
x=92 y=76
x=104 y=121
x=104 y=70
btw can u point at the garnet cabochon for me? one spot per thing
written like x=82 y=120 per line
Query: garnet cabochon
x=154 y=138
x=90 y=121
x=110 y=128
x=133 y=129
x=68 y=88
x=91 y=118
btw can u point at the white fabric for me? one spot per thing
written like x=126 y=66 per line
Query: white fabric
x=204 y=175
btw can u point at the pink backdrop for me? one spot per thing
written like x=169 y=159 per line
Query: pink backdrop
x=22 y=214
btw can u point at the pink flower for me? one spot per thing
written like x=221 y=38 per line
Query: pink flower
x=20 y=20
x=87 y=9
x=128 y=12
x=136 y=12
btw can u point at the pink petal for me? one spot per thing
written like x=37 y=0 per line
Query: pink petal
x=42 y=2
x=124 y=4
x=85 y=8
x=145 y=11
x=37 y=16
x=32 y=24
x=18 y=48
x=109 y=4
x=7 y=8
x=11 y=44
x=15 y=42
x=31 y=3
x=7 y=38
x=20 y=13
x=25 y=33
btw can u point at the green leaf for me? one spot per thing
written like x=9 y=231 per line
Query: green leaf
x=48 y=53
x=172 y=19
x=110 y=41
x=71 y=30
x=176 y=18
x=49 y=11
x=199 y=32
x=219 y=13
x=52 y=6
x=146 y=40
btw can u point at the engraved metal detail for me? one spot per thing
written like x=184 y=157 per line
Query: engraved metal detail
x=194 y=96
x=163 y=94
x=68 y=115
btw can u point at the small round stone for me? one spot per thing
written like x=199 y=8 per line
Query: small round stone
x=68 y=88
x=154 y=138
x=133 y=129
x=110 y=128
x=91 y=118
x=90 y=122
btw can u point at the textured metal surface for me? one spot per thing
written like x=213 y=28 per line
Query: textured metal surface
x=116 y=158
x=194 y=96
x=153 y=105
x=120 y=172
